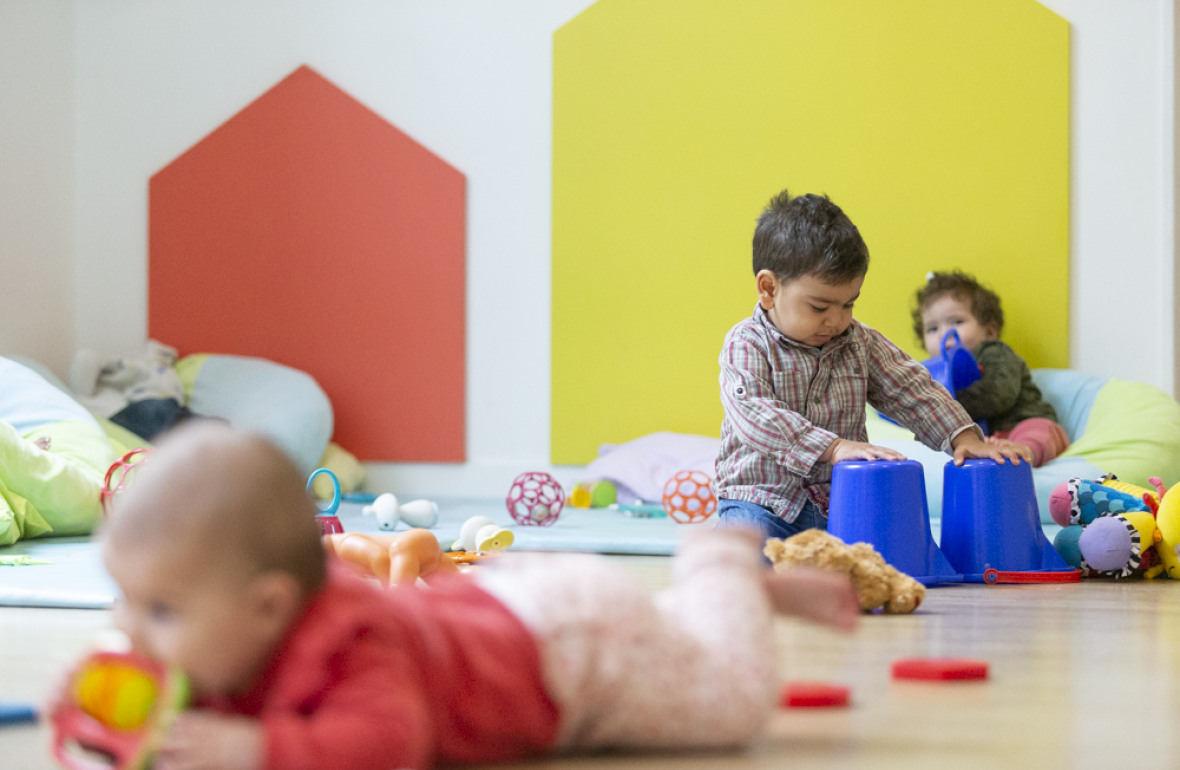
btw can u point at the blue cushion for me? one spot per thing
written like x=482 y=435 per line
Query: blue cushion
x=1071 y=394
x=279 y=402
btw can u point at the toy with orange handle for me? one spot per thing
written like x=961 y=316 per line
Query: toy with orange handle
x=392 y=559
x=116 y=710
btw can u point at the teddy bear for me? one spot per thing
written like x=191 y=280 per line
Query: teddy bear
x=877 y=584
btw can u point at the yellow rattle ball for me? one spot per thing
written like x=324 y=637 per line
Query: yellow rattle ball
x=117 y=695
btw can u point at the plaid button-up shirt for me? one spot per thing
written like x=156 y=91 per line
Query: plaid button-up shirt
x=785 y=402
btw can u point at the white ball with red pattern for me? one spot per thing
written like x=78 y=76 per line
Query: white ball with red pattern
x=689 y=498
x=535 y=499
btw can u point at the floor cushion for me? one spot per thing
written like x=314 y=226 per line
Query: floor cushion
x=52 y=491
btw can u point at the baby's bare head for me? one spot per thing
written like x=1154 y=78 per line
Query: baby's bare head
x=231 y=497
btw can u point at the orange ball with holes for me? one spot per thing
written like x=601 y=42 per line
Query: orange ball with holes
x=689 y=497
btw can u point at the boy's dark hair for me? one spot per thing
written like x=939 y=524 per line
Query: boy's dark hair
x=985 y=303
x=808 y=235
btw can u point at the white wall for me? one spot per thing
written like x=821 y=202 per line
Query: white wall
x=471 y=80
x=1122 y=214
x=36 y=179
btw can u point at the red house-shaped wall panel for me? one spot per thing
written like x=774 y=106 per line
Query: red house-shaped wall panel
x=308 y=230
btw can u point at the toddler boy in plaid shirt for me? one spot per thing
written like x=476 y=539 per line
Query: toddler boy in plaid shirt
x=796 y=375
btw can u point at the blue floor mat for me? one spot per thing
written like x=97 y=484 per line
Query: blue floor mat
x=597 y=530
x=75 y=577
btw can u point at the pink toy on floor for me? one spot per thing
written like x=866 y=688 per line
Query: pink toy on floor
x=535 y=498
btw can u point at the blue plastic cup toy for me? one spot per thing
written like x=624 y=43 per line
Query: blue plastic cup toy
x=956 y=368
x=990 y=524
x=883 y=503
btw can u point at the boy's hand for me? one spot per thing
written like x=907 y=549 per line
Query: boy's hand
x=968 y=445
x=203 y=741
x=842 y=449
x=1023 y=450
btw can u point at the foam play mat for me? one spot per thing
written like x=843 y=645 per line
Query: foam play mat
x=68 y=572
x=61 y=572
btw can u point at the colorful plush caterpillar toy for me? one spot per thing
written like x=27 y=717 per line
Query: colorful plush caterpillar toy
x=1146 y=495
x=117 y=709
x=1080 y=501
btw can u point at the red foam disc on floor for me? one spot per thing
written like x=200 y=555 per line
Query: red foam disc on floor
x=813 y=695
x=939 y=669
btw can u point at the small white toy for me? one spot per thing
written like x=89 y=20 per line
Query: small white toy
x=479 y=533
x=416 y=513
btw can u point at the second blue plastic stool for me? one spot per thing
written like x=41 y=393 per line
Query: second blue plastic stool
x=990 y=521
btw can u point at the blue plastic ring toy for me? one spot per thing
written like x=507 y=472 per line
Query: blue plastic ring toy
x=335 y=504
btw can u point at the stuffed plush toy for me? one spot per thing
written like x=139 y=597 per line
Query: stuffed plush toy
x=105 y=387
x=1112 y=528
x=1119 y=545
x=1080 y=501
x=1167 y=546
x=878 y=585
x=141 y=393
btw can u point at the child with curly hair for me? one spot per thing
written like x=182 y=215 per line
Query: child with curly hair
x=1005 y=396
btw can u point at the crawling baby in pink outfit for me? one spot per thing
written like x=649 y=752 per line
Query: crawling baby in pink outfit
x=296 y=663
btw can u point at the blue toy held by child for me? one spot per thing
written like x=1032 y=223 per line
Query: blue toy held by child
x=956 y=368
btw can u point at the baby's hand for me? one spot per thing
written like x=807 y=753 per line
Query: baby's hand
x=203 y=741
x=820 y=596
x=968 y=445
x=842 y=449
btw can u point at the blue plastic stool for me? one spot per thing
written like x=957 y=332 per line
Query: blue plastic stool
x=990 y=525
x=883 y=503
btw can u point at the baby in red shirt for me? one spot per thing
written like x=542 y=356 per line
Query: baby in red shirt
x=296 y=663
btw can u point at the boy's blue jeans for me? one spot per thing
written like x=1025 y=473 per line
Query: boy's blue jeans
x=739 y=513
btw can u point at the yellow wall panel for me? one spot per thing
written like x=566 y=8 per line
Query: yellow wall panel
x=941 y=128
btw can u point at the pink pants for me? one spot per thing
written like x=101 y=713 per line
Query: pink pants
x=691 y=666
x=1046 y=438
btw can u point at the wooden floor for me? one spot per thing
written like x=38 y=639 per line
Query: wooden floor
x=1084 y=675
